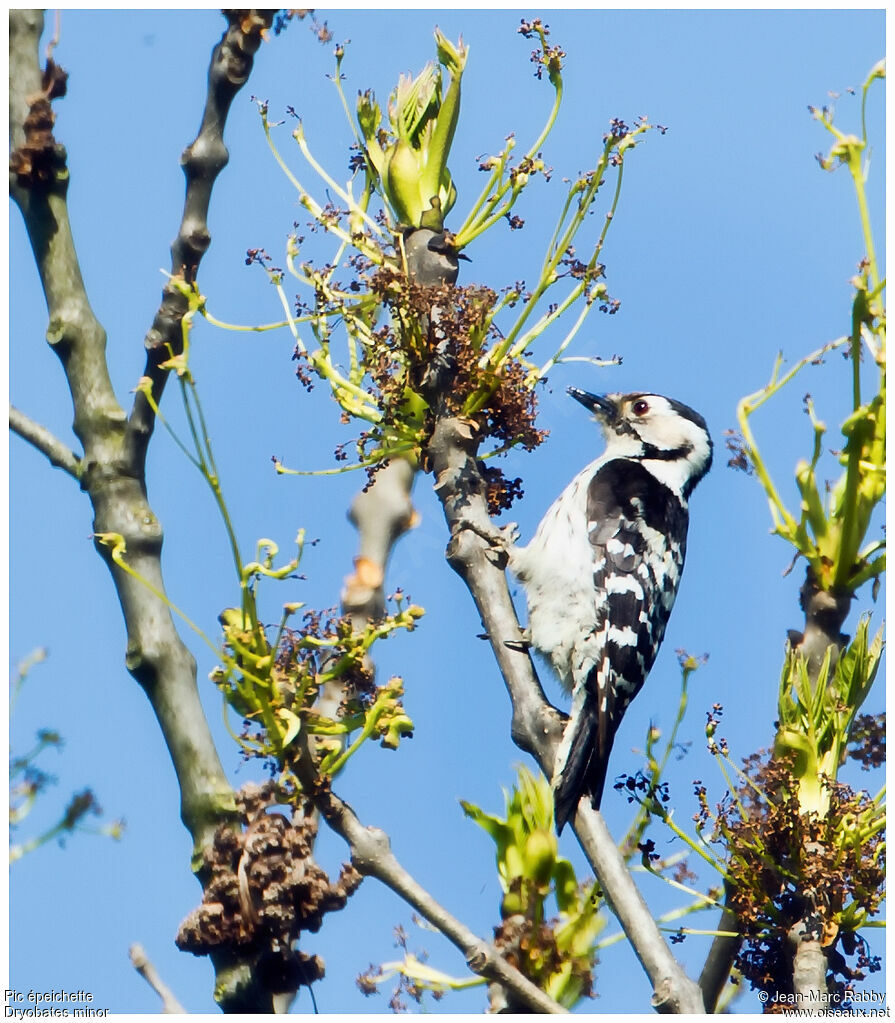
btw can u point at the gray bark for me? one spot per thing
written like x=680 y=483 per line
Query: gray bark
x=111 y=468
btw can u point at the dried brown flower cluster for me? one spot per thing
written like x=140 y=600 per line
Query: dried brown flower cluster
x=405 y=985
x=264 y=890
x=40 y=158
x=305 y=651
x=434 y=346
x=739 y=458
x=274 y=690
x=545 y=58
x=785 y=867
x=531 y=946
x=433 y=356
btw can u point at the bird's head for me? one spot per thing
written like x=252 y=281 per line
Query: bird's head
x=653 y=429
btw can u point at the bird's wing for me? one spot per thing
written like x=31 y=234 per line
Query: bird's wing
x=625 y=517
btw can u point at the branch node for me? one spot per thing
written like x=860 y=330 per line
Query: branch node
x=477 y=958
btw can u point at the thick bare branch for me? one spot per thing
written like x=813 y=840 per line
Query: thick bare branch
x=112 y=466
x=39 y=437
x=536 y=725
x=809 y=964
x=381 y=513
x=371 y=854
x=156 y=656
x=24 y=73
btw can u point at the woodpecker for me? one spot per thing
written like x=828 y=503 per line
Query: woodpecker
x=602 y=572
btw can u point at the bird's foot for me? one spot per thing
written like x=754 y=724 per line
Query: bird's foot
x=500 y=537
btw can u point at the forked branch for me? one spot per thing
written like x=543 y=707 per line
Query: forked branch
x=536 y=725
x=111 y=470
x=371 y=854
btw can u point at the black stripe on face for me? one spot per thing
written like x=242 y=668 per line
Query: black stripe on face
x=650 y=451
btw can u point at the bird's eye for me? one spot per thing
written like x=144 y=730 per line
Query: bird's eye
x=640 y=407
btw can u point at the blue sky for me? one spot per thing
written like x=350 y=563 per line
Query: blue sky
x=730 y=244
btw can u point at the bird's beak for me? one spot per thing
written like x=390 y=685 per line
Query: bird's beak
x=601 y=406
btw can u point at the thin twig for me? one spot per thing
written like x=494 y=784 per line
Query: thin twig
x=39 y=437
x=719 y=961
x=148 y=972
x=371 y=854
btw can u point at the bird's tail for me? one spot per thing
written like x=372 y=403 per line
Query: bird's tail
x=581 y=764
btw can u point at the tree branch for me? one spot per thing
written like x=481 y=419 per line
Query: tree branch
x=719 y=961
x=371 y=855
x=148 y=972
x=202 y=161
x=47 y=443
x=113 y=464
x=673 y=990
x=381 y=513
x=536 y=725
x=825 y=614
x=156 y=656
x=809 y=963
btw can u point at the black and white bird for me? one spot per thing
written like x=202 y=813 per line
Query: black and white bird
x=602 y=573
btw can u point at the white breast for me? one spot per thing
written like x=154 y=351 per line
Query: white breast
x=556 y=569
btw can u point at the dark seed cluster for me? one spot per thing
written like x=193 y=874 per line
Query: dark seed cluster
x=264 y=890
x=405 y=987
x=275 y=690
x=433 y=346
x=867 y=743
x=737 y=448
x=545 y=58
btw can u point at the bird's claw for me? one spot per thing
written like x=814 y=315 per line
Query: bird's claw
x=521 y=645
x=509 y=534
x=502 y=538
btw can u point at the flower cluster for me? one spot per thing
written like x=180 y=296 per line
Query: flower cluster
x=557 y=952
x=274 y=686
x=785 y=866
x=264 y=890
